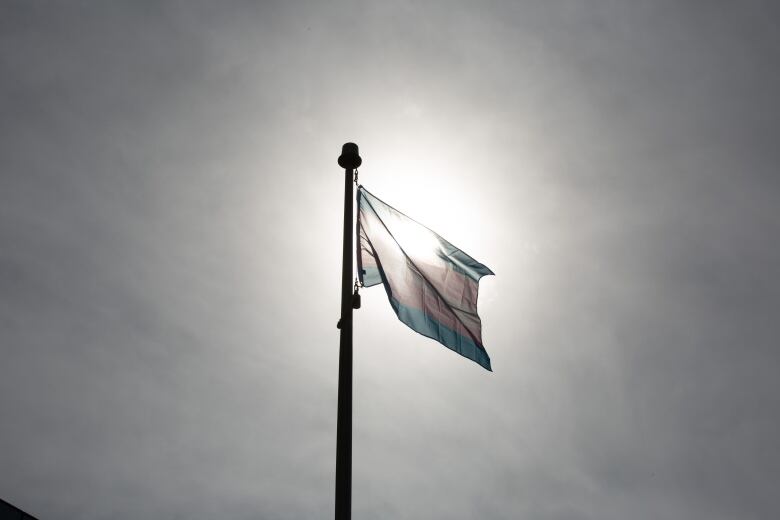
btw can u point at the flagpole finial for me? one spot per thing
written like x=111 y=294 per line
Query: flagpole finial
x=350 y=158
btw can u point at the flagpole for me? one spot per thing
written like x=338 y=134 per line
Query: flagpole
x=349 y=160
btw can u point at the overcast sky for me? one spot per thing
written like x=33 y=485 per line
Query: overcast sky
x=170 y=246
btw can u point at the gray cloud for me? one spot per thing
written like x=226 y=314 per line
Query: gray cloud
x=169 y=258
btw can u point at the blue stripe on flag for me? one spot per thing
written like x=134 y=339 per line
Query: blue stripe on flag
x=370 y=276
x=420 y=322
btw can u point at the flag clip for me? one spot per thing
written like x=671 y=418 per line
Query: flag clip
x=356 y=295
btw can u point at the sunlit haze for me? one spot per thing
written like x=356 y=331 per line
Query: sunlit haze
x=170 y=258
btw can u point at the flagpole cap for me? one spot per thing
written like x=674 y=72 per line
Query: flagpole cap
x=349 y=158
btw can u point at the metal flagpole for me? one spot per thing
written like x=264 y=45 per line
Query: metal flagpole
x=349 y=160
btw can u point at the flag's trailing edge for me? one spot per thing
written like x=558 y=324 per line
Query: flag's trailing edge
x=431 y=284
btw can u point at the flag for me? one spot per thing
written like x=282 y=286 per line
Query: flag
x=431 y=284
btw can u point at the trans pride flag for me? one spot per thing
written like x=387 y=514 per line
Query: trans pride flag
x=431 y=284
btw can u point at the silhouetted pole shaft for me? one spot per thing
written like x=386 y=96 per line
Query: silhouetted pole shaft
x=344 y=424
x=349 y=160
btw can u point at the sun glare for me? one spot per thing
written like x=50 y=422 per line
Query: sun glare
x=431 y=189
